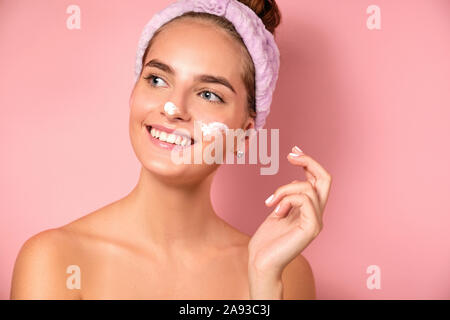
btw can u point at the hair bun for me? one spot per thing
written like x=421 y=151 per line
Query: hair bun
x=267 y=10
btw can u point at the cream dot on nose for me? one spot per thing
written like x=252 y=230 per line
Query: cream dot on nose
x=170 y=108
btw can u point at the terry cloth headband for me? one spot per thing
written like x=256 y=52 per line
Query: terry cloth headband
x=259 y=42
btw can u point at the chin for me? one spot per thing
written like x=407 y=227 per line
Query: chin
x=183 y=174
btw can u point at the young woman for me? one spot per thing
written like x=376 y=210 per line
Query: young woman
x=163 y=240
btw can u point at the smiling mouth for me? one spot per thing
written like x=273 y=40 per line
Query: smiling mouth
x=173 y=138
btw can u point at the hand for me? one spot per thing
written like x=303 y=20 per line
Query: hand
x=295 y=222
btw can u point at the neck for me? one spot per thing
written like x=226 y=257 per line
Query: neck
x=173 y=215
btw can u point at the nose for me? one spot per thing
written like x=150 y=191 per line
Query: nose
x=173 y=112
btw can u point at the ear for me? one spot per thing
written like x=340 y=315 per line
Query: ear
x=249 y=123
x=248 y=126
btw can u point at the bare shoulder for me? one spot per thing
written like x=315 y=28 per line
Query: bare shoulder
x=40 y=267
x=298 y=280
x=45 y=261
x=236 y=245
x=238 y=238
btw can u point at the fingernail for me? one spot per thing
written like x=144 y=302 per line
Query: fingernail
x=269 y=199
x=298 y=149
x=277 y=209
x=293 y=154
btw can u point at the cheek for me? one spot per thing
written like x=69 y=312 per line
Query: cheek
x=212 y=128
x=141 y=103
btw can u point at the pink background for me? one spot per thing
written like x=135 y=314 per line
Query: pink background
x=372 y=106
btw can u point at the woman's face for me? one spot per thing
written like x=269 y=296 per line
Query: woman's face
x=180 y=55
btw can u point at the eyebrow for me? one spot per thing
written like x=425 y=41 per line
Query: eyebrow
x=202 y=77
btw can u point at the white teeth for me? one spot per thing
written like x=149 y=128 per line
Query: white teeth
x=154 y=133
x=170 y=137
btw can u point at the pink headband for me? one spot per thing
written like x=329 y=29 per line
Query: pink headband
x=259 y=42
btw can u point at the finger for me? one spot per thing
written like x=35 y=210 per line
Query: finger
x=295 y=187
x=309 y=176
x=309 y=218
x=309 y=164
x=322 y=178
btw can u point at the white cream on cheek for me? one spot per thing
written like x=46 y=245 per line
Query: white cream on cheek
x=212 y=127
x=207 y=128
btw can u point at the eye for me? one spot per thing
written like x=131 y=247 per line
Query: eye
x=150 y=79
x=209 y=94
